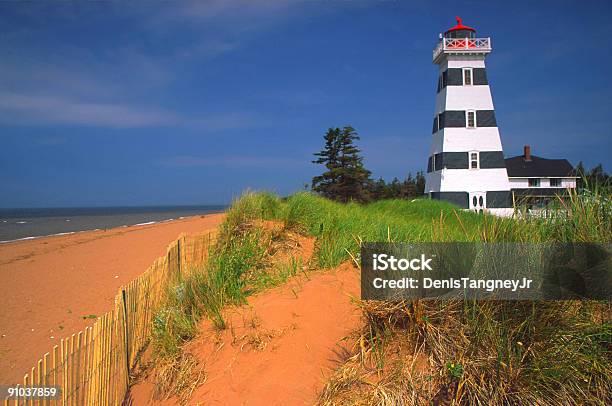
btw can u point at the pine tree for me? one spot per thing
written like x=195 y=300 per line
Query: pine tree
x=345 y=178
x=580 y=171
x=395 y=189
x=378 y=189
x=326 y=184
x=409 y=189
x=420 y=183
x=596 y=178
x=353 y=177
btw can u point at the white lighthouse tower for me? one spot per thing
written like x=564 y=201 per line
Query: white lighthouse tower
x=466 y=162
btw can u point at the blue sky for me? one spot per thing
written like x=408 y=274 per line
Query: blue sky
x=103 y=103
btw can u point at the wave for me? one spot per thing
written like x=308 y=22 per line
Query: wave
x=98 y=228
x=42 y=236
x=145 y=224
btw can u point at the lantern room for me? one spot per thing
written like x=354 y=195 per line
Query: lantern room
x=460 y=40
x=460 y=31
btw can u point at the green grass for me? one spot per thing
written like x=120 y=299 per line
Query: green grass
x=340 y=228
x=486 y=352
x=227 y=278
x=280 y=273
x=222 y=281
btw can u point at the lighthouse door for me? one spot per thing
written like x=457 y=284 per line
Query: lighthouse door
x=478 y=201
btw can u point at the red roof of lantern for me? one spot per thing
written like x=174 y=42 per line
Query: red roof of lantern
x=459 y=26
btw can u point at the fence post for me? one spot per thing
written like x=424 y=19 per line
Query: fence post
x=125 y=333
x=178 y=254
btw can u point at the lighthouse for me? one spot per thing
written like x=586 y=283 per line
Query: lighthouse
x=466 y=161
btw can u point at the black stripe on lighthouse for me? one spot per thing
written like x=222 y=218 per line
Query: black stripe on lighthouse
x=454 y=77
x=492 y=159
x=480 y=76
x=499 y=199
x=495 y=199
x=485 y=118
x=460 y=199
x=456 y=119
x=460 y=160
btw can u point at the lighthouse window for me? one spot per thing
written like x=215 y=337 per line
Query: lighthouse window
x=474 y=160
x=471 y=119
x=467 y=76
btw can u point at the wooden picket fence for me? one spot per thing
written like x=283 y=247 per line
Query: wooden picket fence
x=92 y=367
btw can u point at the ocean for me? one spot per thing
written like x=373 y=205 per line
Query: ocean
x=18 y=224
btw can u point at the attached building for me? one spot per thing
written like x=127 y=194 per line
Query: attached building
x=535 y=181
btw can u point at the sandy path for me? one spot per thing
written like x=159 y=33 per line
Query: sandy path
x=48 y=285
x=279 y=347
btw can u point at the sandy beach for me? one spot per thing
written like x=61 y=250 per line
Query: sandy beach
x=52 y=287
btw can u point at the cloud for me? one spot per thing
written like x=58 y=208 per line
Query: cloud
x=49 y=82
x=43 y=110
x=218 y=27
x=227 y=121
x=37 y=110
x=187 y=161
x=71 y=85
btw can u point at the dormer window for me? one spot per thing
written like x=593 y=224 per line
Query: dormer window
x=467 y=76
x=470 y=119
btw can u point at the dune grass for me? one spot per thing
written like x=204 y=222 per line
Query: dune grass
x=478 y=352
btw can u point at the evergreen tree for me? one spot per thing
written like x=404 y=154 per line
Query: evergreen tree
x=596 y=178
x=420 y=183
x=409 y=189
x=326 y=184
x=377 y=189
x=345 y=177
x=353 y=177
x=579 y=171
x=395 y=189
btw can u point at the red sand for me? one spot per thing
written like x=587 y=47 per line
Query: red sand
x=279 y=348
x=48 y=285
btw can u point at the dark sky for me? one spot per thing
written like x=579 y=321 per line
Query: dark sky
x=103 y=103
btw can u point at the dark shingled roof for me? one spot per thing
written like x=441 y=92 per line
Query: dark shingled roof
x=519 y=168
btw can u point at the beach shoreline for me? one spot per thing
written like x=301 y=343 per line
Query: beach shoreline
x=54 y=286
x=34 y=223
